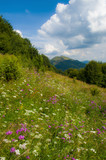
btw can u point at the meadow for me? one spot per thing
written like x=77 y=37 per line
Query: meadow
x=47 y=116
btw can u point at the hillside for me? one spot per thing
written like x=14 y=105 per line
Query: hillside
x=64 y=63
x=46 y=116
x=13 y=44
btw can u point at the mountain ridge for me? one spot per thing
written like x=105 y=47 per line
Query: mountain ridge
x=63 y=63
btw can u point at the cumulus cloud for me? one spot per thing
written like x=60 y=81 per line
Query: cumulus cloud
x=19 y=32
x=80 y=24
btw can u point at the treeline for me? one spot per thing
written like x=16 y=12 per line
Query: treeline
x=93 y=73
x=13 y=44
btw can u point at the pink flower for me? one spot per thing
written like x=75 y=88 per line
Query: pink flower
x=21 y=137
x=12 y=150
x=9 y=133
x=49 y=126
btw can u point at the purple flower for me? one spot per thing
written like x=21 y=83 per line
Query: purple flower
x=73 y=159
x=18 y=130
x=99 y=107
x=12 y=150
x=76 y=127
x=98 y=132
x=49 y=126
x=9 y=133
x=104 y=127
x=25 y=129
x=69 y=134
x=21 y=137
x=27 y=157
x=22 y=129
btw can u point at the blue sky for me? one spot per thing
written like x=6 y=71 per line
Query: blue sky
x=73 y=28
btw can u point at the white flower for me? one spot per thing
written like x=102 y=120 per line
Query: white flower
x=93 y=150
x=14 y=96
x=78 y=149
x=4 y=125
x=38 y=136
x=79 y=135
x=2 y=158
x=66 y=135
x=93 y=131
x=55 y=142
x=7 y=141
x=48 y=140
x=23 y=146
x=35 y=152
x=36 y=125
x=40 y=108
x=3 y=95
x=17 y=152
x=40 y=119
x=46 y=116
x=54 y=114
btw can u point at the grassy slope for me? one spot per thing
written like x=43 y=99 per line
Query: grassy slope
x=58 y=117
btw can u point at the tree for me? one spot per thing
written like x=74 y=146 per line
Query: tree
x=93 y=73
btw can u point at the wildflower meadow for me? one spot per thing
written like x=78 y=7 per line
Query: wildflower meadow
x=47 y=116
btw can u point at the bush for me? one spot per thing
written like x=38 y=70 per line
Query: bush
x=94 y=91
x=10 y=69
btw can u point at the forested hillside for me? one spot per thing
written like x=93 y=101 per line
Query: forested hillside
x=63 y=63
x=12 y=43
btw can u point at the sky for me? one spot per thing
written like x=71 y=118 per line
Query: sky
x=73 y=28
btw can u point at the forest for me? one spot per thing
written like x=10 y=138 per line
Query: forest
x=93 y=73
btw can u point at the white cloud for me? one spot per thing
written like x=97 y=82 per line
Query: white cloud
x=61 y=7
x=19 y=32
x=50 y=48
x=97 y=17
x=75 y=27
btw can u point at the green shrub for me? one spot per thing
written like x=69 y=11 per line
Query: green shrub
x=94 y=91
x=10 y=69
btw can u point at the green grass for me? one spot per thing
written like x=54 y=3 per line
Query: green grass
x=59 y=118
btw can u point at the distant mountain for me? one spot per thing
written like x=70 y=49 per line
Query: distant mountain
x=64 y=63
x=86 y=62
